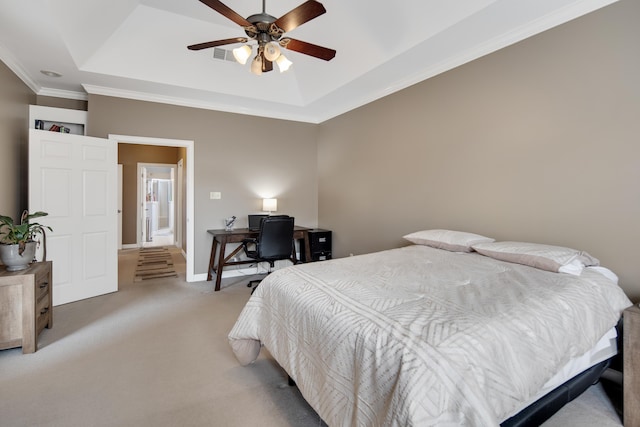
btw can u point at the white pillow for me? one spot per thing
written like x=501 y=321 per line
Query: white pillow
x=544 y=257
x=456 y=241
x=574 y=267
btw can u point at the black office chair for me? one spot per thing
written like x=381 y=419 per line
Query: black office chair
x=274 y=242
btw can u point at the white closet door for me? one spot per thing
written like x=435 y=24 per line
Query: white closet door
x=73 y=178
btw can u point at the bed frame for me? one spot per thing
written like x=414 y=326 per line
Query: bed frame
x=544 y=408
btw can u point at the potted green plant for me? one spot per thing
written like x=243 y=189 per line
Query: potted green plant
x=17 y=241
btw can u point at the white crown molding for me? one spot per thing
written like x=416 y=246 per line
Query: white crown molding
x=193 y=103
x=353 y=95
x=60 y=93
x=22 y=74
x=17 y=69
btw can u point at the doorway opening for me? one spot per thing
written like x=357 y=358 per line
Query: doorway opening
x=158 y=202
x=185 y=180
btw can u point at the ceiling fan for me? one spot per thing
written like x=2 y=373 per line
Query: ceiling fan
x=268 y=31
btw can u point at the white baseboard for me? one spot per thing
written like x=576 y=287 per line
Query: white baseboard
x=251 y=271
x=261 y=268
x=200 y=277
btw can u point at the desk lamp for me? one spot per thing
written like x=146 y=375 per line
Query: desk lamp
x=269 y=205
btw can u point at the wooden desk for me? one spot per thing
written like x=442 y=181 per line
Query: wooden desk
x=222 y=237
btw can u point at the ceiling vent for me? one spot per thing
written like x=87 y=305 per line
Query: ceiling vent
x=223 y=54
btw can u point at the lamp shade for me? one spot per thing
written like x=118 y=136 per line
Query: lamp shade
x=242 y=53
x=283 y=63
x=256 y=65
x=269 y=205
x=271 y=51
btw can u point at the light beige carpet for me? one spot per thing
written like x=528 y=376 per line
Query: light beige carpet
x=156 y=354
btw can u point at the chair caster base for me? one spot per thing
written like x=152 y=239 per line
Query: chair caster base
x=250 y=285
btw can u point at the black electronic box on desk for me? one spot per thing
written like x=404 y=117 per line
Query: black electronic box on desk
x=319 y=244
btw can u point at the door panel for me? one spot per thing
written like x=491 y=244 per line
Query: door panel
x=119 y=211
x=73 y=177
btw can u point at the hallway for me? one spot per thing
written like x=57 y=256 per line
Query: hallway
x=160 y=237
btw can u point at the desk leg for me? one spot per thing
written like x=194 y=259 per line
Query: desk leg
x=221 y=263
x=212 y=257
x=294 y=256
x=307 y=247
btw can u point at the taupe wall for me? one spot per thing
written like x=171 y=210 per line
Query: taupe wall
x=15 y=98
x=243 y=157
x=70 y=104
x=129 y=155
x=538 y=142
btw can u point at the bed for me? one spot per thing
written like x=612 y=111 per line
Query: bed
x=454 y=329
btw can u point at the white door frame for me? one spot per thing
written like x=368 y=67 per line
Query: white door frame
x=179 y=198
x=119 y=206
x=141 y=204
x=190 y=223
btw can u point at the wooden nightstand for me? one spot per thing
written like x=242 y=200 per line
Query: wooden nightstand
x=631 y=368
x=26 y=306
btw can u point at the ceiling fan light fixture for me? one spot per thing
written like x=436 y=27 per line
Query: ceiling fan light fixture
x=271 y=51
x=268 y=32
x=242 y=54
x=283 y=63
x=256 y=65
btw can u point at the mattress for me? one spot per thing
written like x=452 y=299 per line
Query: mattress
x=605 y=349
x=423 y=336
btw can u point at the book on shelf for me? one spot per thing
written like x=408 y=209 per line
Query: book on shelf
x=59 y=128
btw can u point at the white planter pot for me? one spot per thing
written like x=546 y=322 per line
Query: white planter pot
x=14 y=261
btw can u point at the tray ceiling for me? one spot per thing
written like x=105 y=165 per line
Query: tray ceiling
x=137 y=49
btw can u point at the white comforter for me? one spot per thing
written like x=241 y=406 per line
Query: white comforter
x=418 y=336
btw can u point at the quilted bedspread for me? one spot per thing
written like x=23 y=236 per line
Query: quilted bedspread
x=418 y=336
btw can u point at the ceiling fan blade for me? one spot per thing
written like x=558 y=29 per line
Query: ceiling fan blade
x=225 y=11
x=308 y=48
x=304 y=13
x=215 y=43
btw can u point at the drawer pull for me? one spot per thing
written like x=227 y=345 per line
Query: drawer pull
x=44 y=310
x=44 y=285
